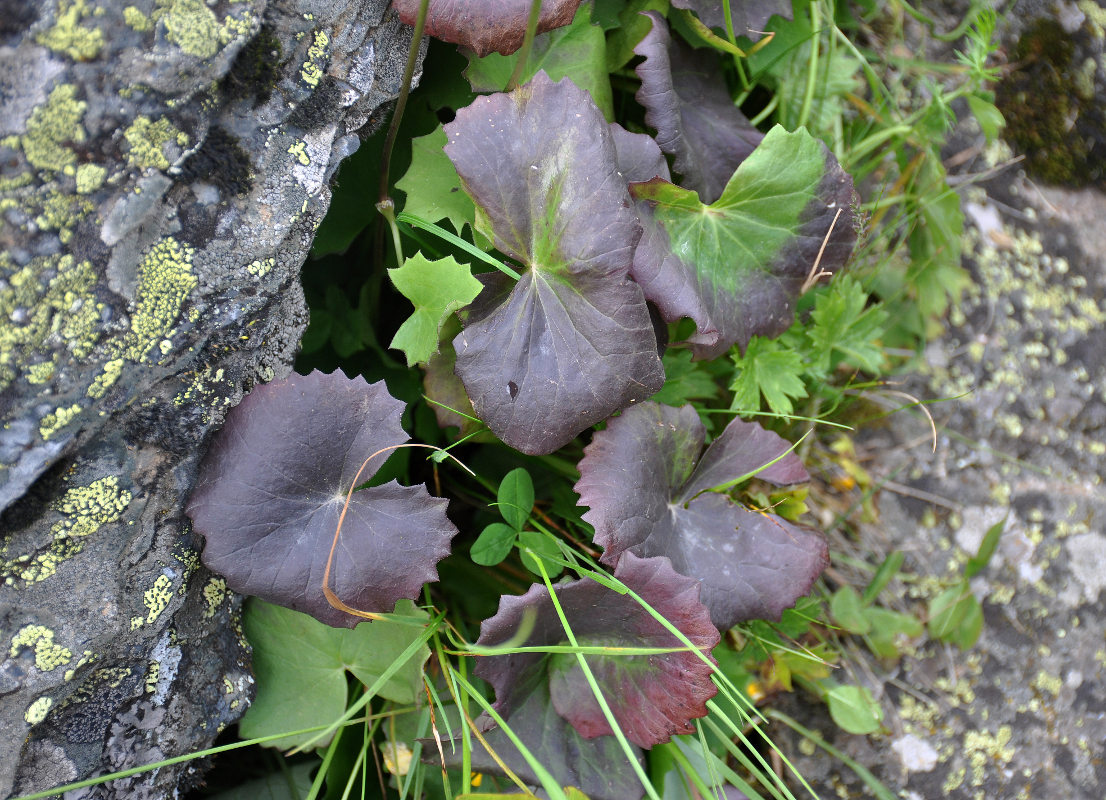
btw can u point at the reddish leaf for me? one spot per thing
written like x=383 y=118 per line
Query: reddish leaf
x=489 y=25
x=652 y=697
x=571 y=342
x=693 y=114
x=747 y=16
x=646 y=487
x=273 y=485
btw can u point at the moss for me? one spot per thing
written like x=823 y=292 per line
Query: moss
x=136 y=19
x=220 y=162
x=51 y=125
x=48 y=656
x=190 y=25
x=1050 y=106
x=256 y=69
x=68 y=36
x=36 y=712
x=147 y=140
x=165 y=280
x=90 y=177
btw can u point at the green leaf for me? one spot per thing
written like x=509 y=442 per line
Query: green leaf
x=301 y=665
x=516 y=497
x=685 y=380
x=437 y=289
x=633 y=28
x=767 y=369
x=543 y=545
x=848 y=609
x=949 y=609
x=971 y=626
x=887 y=627
x=292 y=783
x=431 y=184
x=887 y=570
x=845 y=329
x=577 y=52
x=987 y=547
x=493 y=544
x=736 y=266
x=854 y=709
x=990 y=119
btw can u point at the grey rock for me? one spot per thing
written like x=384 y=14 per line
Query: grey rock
x=163 y=169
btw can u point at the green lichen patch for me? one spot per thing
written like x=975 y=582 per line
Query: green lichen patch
x=106 y=379
x=47 y=304
x=90 y=177
x=157 y=597
x=57 y=419
x=165 y=279
x=134 y=17
x=36 y=712
x=215 y=592
x=51 y=126
x=311 y=71
x=190 y=25
x=147 y=140
x=68 y=36
x=48 y=655
x=84 y=510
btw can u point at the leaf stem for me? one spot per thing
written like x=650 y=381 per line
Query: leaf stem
x=401 y=104
x=527 y=43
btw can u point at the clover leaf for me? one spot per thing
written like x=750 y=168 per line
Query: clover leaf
x=571 y=342
x=693 y=114
x=488 y=26
x=652 y=697
x=649 y=494
x=272 y=487
x=736 y=266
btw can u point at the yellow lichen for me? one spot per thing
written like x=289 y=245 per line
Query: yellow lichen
x=90 y=177
x=312 y=70
x=298 y=148
x=190 y=25
x=40 y=373
x=157 y=597
x=260 y=267
x=48 y=656
x=106 y=379
x=55 y=122
x=153 y=671
x=147 y=140
x=56 y=420
x=215 y=591
x=165 y=280
x=136 y=19
x=68 y=36
x=36 y=712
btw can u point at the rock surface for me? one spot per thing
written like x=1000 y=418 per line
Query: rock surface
x=1022 y=715
x=163 y=167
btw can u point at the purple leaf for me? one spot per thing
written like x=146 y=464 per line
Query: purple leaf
x=652 y=697
x=647 y=497
x=488 y=26
x=571 y=342
x=736 y=266
x=598 y=767
x=638 y=156
x=747 y=16
x=693 y=114
x=273 y=485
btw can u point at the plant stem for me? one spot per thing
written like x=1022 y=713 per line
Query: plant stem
x=527 y=43
x=384 y=202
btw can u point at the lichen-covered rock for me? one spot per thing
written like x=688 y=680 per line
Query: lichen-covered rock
x=163 y=166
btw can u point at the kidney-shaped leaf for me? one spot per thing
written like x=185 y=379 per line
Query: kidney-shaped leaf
x=647 y=491
x=571 y=342
x=598 y=767
x=487 y=26
x=747 y=16
x=736 y=266
x=301 y=667
x=273 y=485
x=652 y=697
x=693 y=114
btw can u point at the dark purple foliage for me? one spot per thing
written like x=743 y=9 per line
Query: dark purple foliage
x=647 y=489
x=748 y=16
x=571 y=342
x=273 y=485
x=489 y=25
